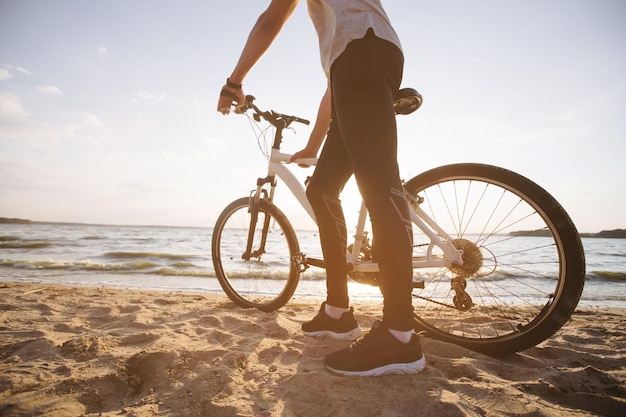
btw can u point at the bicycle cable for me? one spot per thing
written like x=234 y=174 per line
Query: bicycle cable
x=261 y=135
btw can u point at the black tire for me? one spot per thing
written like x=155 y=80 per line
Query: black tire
x=529 y=268
x=268 y=280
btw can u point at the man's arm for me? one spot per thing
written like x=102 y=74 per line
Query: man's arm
x=320 y=128
x=261 y=37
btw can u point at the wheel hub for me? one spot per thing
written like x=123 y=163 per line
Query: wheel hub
x=472 y=258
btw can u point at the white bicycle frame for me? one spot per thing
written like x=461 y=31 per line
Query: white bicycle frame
x=278 y=167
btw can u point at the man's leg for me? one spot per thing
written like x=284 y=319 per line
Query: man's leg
x=364 y=80
x=335 y=318
x=331 y=173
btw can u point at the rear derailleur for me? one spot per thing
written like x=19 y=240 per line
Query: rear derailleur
x=461 y=299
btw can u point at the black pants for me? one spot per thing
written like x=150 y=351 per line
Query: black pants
x=362 y=140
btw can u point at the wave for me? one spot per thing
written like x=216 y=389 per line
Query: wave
x=610 y=253
x=180 y=265
x=127 y=267
x=23 y=244
x=607 y=275
x=94 y=238
x=603 y=297
x=183 y=265
x=184 y=273
x=140 y=255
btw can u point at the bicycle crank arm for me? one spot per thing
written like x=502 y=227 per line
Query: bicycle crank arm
x=316 y=262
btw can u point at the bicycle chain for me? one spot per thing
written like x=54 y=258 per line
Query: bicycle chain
x=436 y=302
x=429 y=299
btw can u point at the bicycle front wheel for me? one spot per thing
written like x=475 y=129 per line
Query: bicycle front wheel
x=257 y=269
x=523 y=262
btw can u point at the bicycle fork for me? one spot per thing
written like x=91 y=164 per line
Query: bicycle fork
x=254 y=209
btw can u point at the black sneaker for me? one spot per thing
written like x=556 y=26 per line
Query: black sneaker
x=378 y=353
x=346 y=328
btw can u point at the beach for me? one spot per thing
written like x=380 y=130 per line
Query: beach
x=89 y=351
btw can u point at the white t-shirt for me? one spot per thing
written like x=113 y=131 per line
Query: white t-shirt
x=338 y=22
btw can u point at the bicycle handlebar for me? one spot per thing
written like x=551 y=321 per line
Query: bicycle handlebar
x=405 y=101
x=278 y=120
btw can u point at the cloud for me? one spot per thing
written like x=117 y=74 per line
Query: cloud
x=5 y=74
x=146 y=96
x=88 y=120
x=11 y=107
x=20 y=69
x=102 y=53
x=6 y=71
x=83 y=128
x=15 y=121
x=49 y=89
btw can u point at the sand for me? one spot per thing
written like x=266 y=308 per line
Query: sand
x=80 y=351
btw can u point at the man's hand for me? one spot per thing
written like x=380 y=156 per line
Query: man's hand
x=230 y=96
x=303 y=154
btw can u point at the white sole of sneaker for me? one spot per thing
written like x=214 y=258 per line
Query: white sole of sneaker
x=349 y=336
x=391 y=369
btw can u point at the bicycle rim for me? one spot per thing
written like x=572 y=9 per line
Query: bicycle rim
x=266 y=280
x=523 y=270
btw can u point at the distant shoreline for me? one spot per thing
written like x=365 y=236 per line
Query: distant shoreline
x=604 y=234
x=6 y=220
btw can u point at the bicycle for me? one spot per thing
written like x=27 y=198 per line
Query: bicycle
x=499 y=265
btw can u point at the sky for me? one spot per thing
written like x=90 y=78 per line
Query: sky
x=108 y=108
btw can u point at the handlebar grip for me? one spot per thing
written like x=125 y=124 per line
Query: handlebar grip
x=271 y=116
x=306 y=161
x=247 y=104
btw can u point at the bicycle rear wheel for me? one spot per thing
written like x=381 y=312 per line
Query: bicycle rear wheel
x=267 y=278
x=524 y=265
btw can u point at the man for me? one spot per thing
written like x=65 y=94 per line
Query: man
x=363 y=61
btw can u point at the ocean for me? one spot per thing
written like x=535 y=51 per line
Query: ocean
x=179 y=259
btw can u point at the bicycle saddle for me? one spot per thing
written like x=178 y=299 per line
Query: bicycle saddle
x=407 y=100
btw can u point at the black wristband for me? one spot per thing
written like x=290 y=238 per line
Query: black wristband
x=233 y=85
